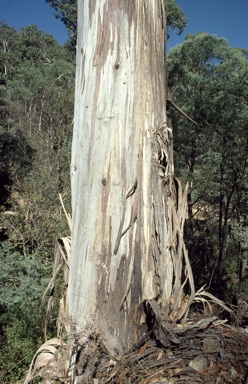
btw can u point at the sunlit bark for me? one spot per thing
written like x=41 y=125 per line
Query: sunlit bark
x=122 y=168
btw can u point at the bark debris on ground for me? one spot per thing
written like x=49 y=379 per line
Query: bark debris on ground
x=209 y=351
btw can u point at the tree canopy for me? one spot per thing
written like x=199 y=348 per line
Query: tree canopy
x=208 y=79
x=66 y=11
x=176 y=20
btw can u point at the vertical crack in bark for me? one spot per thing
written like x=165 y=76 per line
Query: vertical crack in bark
x=131 y=255
x=119 y=235
x=132 y=218
x=157 y=252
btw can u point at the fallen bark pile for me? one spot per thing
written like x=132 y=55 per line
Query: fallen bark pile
x=209 y=351
x=218 y=355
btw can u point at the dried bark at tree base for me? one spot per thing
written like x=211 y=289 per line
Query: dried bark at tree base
x=207 y=352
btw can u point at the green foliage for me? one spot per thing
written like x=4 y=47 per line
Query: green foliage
x=22 y=283
x=8 y=59
x=22 y=278
x=240 y=233
x=36 y=108
x=37 y=46
x=36 y=135
x=176 y=20
x=208 y=80
x=21 y=339
x=66 y=11
x=15 y=152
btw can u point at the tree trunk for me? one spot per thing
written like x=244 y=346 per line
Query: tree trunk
x=225 y=198
x=190 y=223
x=127 y=210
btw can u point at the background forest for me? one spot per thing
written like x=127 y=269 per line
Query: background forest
x=208 y=80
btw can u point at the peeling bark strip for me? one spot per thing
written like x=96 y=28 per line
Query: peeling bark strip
x=128 y=209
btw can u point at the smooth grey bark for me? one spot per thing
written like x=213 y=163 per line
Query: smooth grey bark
x=127 y=226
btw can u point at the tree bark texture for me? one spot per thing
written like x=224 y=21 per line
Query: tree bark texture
x=127 y=214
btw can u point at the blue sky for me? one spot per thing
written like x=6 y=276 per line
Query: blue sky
x=21 y=13
x=225 y=18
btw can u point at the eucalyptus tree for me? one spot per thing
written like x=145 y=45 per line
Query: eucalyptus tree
x=208 y=79
x=127 y=208
x=8 y=38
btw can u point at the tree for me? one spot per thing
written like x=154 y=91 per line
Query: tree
x=129 y=268
x=176 y=20
x=127 y=207
x=66 y=11
x=8 y=38
x=38 y=101
x=36 y=107
x=207 y=78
